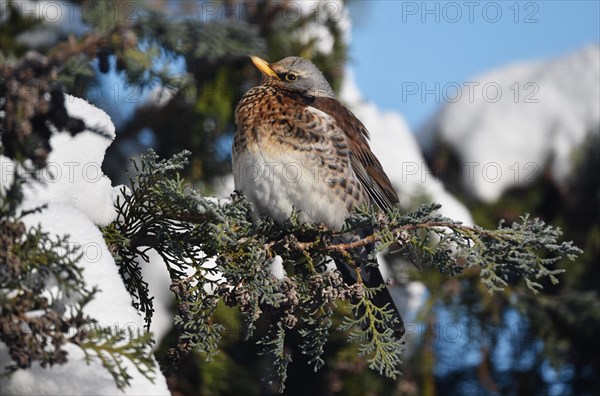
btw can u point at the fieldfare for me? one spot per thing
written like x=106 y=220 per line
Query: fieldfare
x=297 y=147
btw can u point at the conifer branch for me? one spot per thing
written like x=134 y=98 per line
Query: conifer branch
x=229 y=258
x=112 y=346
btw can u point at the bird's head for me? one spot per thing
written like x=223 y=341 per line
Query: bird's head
x=294 y=74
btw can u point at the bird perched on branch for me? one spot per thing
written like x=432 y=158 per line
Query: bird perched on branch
x=297 y=147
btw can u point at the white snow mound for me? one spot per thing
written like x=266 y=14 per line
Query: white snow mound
x=80 y=197
x=521 y=120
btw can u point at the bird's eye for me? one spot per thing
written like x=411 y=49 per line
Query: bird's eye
x=291 y=77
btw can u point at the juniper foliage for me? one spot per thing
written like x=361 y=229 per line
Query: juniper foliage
x=42 y=298
x=30 y=264
x=112 y=346
x=134 y=44
x=129 y=37
x=42 y=289
x=214 y=251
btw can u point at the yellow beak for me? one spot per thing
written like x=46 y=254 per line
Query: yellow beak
x=263 y=66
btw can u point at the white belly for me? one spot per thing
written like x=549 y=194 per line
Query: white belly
x=278 y=183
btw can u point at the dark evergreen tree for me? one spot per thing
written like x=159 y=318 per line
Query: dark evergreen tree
x=306 y=316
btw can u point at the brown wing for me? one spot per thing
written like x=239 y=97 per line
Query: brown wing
x=367 y=167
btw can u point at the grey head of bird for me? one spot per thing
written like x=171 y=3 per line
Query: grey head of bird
x=294 y=74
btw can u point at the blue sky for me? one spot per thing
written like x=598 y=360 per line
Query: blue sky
x=396 y=43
